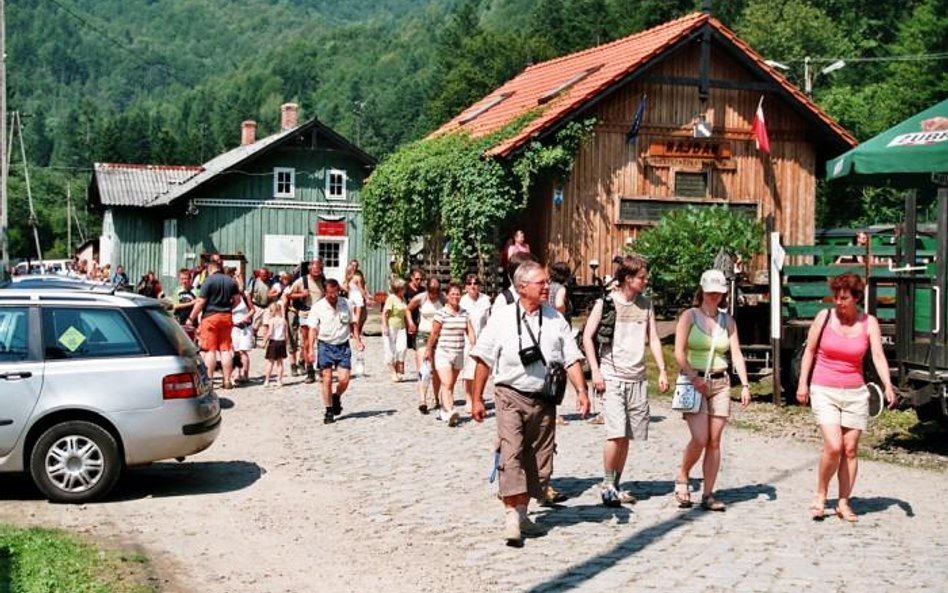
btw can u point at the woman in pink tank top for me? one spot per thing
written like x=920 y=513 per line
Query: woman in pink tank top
x=835 y=349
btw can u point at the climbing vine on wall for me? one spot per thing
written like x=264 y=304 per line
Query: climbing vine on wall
x=447 y=183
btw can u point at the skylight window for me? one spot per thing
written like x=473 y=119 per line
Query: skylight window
x=484 y=108
x=552 y=94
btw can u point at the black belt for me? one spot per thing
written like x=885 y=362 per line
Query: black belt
x=713 y=375
x=529 y=394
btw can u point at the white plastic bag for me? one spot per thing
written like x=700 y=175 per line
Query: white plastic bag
x=424 y=373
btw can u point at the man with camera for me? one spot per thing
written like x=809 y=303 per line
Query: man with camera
x=532 y=351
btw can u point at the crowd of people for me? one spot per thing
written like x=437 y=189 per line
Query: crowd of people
x=524 y=342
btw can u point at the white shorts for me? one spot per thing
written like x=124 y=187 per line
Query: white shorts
x=841 y=406
x=443 y=360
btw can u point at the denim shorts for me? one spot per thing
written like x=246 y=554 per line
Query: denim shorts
x=331 y=356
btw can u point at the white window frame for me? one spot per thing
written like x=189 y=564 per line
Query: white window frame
x=345 y=179
x=339 y=272
x=277 y=171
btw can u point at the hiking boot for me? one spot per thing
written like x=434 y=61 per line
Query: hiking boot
x=336 y=404
x=530 y=529
x=328 y=418
x=310 y=375
x=294 y=370
x=423 y=408
x=512 y=529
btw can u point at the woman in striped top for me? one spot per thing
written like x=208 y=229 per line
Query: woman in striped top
x=446 y=349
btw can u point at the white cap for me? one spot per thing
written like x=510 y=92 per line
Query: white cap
x=713 y=281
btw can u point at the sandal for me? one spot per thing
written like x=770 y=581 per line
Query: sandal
x=682 y=495
x=818 y=508
x=710 y=503
x=845 y=512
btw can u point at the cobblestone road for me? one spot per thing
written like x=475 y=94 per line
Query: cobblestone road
x=388 y=499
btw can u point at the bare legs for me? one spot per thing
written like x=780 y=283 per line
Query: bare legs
x=839 y=456
x=341 y=386
x=448 y=377
x=706 y=432
x=227 y=365
x=614 y=455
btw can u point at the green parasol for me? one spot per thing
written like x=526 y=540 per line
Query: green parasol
x=906 y=154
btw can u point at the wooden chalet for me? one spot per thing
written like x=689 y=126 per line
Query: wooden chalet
x=698 y=86
x=273 y=201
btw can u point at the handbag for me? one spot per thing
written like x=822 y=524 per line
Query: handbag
x=687 y=399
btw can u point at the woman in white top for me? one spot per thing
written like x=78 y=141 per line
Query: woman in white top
x=357 y=297
x=242 y=337
x=445 y=349
x=428 y=304
x=477 y=305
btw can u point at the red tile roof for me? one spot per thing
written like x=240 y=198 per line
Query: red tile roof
x=603 y=66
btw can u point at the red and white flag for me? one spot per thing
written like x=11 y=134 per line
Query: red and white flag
x=760 y=129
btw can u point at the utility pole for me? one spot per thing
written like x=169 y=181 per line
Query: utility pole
x=4 y=211
x=68 y=220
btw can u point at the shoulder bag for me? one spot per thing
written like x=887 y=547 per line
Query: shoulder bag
x=687 y=399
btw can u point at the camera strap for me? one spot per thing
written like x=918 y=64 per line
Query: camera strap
x=521 y=319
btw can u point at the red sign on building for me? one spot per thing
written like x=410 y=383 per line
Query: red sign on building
x=331 y=228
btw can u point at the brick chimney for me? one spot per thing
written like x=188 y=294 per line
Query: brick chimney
x=248 y=132
x=289 y=116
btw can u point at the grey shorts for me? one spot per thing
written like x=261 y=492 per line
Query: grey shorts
x=625 y=407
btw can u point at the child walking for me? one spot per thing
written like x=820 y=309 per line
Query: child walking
x=275 y=339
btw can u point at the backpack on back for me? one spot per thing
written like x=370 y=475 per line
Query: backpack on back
x=300 y=304
x=606 y=329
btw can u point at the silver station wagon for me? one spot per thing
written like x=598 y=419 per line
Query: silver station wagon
x=93 y=382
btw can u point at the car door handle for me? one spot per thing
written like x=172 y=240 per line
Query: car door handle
x=16 y=375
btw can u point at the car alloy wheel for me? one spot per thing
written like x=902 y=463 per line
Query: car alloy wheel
x=75 y=461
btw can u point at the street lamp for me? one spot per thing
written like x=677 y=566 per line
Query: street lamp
x=808 y=75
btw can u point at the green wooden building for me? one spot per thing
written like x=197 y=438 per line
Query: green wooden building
x=270 y=202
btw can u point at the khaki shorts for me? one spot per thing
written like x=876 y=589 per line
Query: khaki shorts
x=445 y=360
x=841 y=406
x=718 y=401
x=625 y=408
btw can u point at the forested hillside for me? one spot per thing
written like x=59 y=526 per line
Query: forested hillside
x=169 y=81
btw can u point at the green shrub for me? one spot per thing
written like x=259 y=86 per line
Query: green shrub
x=685 y=243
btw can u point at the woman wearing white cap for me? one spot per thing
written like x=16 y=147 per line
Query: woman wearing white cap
x=703 y=337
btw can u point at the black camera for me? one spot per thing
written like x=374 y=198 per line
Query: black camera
x=530 y=355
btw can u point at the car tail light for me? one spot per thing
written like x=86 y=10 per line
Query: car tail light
x=179 y=386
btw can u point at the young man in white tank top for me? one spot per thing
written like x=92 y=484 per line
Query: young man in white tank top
x=618 y=371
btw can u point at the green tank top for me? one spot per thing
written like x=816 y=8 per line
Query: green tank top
x=699 y=345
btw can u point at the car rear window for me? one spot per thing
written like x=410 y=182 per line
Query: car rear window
x=179 y=340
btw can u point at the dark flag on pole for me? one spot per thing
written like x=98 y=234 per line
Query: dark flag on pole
x=636 y=121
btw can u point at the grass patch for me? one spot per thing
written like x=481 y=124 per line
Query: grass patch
x=48 y=561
